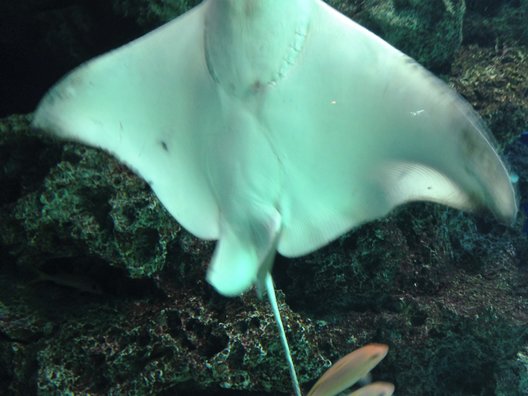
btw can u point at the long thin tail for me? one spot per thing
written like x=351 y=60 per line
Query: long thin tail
x=274 y=306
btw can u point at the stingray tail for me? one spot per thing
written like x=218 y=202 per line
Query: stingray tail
x=275 y=307
x=244 y=256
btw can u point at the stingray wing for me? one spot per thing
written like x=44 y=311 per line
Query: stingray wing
x=145 y=103
x=361 y=128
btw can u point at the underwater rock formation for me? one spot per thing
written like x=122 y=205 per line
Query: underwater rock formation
x=446 y=291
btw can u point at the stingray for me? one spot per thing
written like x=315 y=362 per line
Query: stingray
x=274 y=125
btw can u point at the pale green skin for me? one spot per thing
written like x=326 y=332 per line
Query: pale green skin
x=278 y=125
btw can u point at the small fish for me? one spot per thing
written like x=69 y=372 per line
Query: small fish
x=524 y=137
x=350 y=369
x=79 y=282
x=4 y=311
x=375 y=389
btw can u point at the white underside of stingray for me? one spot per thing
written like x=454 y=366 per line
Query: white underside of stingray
x=273 y=125
x=278 y=125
